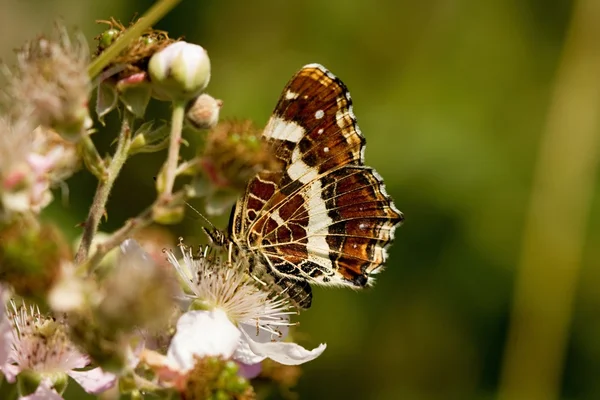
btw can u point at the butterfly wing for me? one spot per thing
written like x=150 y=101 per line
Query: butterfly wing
x=325 y=217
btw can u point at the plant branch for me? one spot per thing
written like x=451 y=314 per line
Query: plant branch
x=132 y=226
x=153 y=15
x=170 y=167
x=105 y=185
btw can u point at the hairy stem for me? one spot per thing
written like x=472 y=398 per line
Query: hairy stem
x=153 y=15
x=170 y=166
x=105 y=186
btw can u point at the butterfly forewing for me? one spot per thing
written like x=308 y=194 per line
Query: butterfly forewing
x=323 y=218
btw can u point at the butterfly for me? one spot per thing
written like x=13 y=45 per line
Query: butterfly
x=323 y=218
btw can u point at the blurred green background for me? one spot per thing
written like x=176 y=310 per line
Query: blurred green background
x=452 y=96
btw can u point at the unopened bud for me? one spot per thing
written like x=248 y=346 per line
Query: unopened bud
x=180 y=71
x=203 y=112
x=31 y=259
x=150 y=138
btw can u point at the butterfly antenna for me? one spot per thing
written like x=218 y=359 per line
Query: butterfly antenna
x=213 y=233
x=201 y=216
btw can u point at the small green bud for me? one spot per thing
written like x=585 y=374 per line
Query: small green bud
x=107 y=38
x=149 y=139
x=180 y=71
x=220 y=395
x=237 y=384
x=87 y=150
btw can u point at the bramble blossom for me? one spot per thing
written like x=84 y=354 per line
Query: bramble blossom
x=230 y=299
x=41 y=351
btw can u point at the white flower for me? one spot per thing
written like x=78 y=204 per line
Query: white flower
x=235 y=302
x=40 y=347
x=180 y=71
x=202 y=333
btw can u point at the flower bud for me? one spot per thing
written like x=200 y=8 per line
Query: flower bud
x=180 y=71
x=234 y=153
x=31 y=259
x=203 y=112
x=215 y=378
x=150 y=138
x=106 y=38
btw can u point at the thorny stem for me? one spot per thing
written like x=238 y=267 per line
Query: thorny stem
x=131 y=226
x=153 y=15
x=105 y=185
x=170 y=166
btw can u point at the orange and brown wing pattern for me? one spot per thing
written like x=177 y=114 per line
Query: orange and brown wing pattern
x=324 y=218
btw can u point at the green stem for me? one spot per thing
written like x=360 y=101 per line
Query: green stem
x=153 y=15
x=97 y=209
x=170 y=166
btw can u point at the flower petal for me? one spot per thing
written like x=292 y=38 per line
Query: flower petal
x=249 y=371
x=43 y=392
x=95 y=380
x=244 y=353
x=202 y=333
x=284 y=352
x=10 y=372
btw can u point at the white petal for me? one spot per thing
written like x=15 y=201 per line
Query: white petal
x=284 y=353
x=202 y=333
x=95 y=380
x=244 y=354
